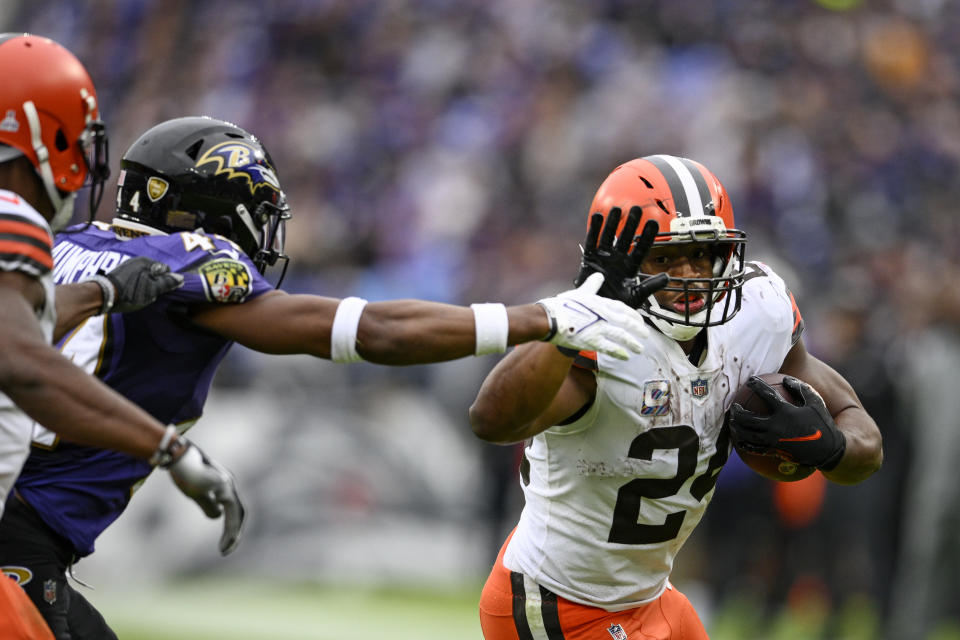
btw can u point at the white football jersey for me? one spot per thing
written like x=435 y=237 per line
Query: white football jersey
x=611 y=497
x=27 y=249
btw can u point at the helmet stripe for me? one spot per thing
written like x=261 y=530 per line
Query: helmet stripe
x=705 y=197
x=683 y=185
x=673 y=183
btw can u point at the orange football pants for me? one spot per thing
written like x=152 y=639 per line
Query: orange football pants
x=507 y=612
x=19 y=619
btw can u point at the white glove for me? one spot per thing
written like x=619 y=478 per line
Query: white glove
x=584 y=321
x=212 y=487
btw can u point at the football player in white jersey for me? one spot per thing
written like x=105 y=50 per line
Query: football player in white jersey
x=622 y=457
x=52 y=143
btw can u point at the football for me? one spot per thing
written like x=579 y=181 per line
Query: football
x=769 y=466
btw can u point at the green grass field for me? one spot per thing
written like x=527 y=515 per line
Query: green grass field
x=260 y=610
x=223 y=610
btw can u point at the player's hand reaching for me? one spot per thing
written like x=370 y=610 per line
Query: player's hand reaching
x=609 y=253
x=583 y=321
x=805 y=433
x=208 y=484
x=136 y=283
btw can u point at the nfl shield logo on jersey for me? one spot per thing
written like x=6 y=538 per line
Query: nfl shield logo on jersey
x=616 y=632
x=699 y=387
x=656 y=398
x=50 y=591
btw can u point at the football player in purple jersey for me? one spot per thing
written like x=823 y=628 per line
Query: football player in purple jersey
x=202 y=196
x=52 y=143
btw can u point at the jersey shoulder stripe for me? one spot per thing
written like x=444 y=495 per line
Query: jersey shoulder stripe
x=582 y=359
x=17 y=255
x=16 y=225
x=25 y=243
x=797 y=320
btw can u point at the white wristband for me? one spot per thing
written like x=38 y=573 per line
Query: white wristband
x=343 y=335
x=492 y=326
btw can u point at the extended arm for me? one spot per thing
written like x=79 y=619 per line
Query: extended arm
x=399 y=332
x=394 y=332
x=864 y=450
x=531 y=389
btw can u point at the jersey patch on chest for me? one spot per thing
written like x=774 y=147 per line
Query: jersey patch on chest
x=656 y=398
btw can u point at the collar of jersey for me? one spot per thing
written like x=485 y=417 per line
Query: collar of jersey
x=131 y=228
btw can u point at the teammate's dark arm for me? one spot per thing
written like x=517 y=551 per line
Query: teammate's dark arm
x=54 y=392
x=533 y=388
x=63 y=398
x=864 y=449
x=75 y=303
x=394 y=332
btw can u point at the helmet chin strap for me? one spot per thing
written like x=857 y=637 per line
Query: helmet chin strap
x=62 y=206
x=679 y=332
x=63 y=213
x=675 y=330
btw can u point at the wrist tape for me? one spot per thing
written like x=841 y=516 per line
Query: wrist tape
x=492 y=326
x=108 y=290
x=163 y=456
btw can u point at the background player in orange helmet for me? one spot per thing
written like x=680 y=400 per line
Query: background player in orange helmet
x=52 y=143
x=622 y=456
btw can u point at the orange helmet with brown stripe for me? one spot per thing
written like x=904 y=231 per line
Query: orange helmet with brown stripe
x=691 y=206
x=49 y=112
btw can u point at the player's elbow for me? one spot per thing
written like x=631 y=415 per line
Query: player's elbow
x=868 y=449
x=874 y=459
x=489 y=426
x=863 y=458
x=383 y=341
x=19 y=370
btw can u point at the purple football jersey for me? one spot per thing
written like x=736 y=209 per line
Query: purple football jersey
x=155 y=357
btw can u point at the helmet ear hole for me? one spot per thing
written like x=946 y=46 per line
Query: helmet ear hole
x=194 y=150
x=60 y=141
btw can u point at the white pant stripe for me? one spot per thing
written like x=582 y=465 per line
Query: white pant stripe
x=534 y=609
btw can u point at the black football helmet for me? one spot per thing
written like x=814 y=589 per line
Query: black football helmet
x=206 y=174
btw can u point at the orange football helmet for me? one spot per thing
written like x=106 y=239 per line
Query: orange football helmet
x=691 y=206
x=49 y=113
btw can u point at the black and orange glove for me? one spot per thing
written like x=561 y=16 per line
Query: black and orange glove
x=609 y=253
x=804 y=433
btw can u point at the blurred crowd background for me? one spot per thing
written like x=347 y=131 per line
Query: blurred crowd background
x=449 y=150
